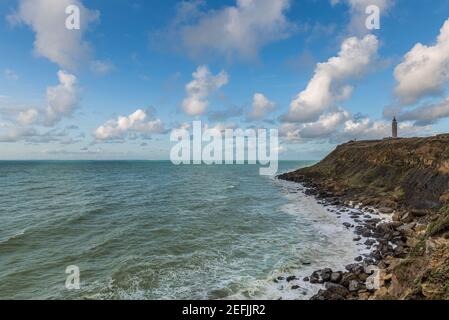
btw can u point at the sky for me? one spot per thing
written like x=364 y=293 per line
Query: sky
x=136 y=70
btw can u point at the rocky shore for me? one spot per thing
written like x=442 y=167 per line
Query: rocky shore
x=396 y=194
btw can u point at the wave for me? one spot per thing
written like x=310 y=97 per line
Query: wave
x=13 y=237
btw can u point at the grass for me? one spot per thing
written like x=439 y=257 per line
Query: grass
x=441 y=225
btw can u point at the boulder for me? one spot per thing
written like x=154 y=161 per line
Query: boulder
x=321 y=276
x=337 y=289
x=336 y=277
x=354 y=285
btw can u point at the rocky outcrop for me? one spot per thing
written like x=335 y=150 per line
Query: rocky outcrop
x=407 y=179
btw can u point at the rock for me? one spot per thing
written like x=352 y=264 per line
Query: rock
x=407 y=217
x=418 y=213
x=370 y=242
x=420 y=227
x=353 y=286
x=407 y=229
x=336 y=277
x=396 y=217
x=306 y=279
x=291 y=278
x=357 y=239
x=295 y=287
x=347 y=225
x=386 y=210
x=359 y=259
x=321 y=276
x=347 y=278
x=337 y=289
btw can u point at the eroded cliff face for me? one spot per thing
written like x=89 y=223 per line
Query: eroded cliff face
x=408 y=178
x=413 y=173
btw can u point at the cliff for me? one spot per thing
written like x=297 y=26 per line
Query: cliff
x=409 y=179
x=413 y=173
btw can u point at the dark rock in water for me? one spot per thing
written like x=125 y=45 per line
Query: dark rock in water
x=280 y=278
x=370 y=242
x=291 y=278
x=306 y=279
x=359 y=258
x=306 y=263
x=347 y=224
x=295 y=287
x=357 y=239
x=321 y=276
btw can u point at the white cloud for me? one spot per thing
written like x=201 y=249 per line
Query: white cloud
x=28 y=117
x=424 y=70
x=53 y=40
x=323 y=128
x=11 y=75
x=358 y=12
x=261 y=106
x=204 y=84
x=329 y=84
x=61 y=99
x=239 y=30
x=136 y=123
x=427 y=114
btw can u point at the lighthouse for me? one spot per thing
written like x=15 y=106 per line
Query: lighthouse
x=394 y=128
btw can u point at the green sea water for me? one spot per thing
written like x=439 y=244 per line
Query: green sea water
x=152 y=230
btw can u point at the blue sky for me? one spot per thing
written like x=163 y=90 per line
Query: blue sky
x=258 y=63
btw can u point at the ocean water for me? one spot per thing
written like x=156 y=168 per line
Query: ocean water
x=152 y=230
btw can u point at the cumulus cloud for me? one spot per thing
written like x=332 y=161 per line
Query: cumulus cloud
x=62 y=100
x=53 y=40
x=329 y=84
x=424 y=70
x=241 y=29
x=136 y=123
x=323 y=128
x=261 y=106
x=358 y=12
x=204 y=84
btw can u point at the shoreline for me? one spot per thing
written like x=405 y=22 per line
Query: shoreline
x=382 y=243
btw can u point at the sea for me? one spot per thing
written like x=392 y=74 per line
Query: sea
x=153 y=230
